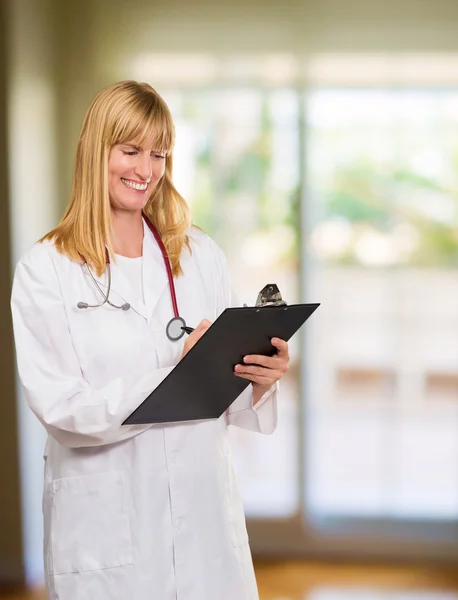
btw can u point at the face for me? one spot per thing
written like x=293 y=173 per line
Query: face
x=133 y=173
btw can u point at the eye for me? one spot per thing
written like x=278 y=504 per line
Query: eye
x=157 y=156
x=130 y=153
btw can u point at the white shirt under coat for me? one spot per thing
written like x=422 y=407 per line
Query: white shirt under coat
x=142 y=512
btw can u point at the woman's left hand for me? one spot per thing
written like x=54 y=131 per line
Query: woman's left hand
x=264 y=371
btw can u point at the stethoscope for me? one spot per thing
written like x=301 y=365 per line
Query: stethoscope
x=176 y=327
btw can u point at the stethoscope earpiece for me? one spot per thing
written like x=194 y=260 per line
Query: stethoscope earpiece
x=106 y=299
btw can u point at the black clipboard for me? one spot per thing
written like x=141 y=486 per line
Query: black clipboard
x=203 y=384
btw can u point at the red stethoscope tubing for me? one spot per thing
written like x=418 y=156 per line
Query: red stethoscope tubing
x=166 y=262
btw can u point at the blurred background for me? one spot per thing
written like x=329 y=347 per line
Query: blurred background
x=317 y=142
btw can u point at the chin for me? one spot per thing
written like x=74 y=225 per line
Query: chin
x=133 y=204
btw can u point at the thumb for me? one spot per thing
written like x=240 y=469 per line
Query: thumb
x=205 y=324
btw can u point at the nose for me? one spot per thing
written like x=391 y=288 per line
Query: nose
x=143 y=166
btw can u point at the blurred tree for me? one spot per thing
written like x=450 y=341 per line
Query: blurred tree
x=383 y=198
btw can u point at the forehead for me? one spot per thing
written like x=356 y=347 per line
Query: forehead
x=153 y=139
x=139 y=143
x=149 y=145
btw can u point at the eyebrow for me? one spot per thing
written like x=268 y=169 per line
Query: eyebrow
x=138 y=148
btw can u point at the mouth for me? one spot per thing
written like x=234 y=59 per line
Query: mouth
x=132 y=185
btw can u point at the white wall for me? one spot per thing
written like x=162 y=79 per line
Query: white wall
x=269 y=25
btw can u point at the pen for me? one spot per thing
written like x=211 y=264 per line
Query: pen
x=188 y=330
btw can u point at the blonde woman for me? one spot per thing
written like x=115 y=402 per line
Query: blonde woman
x=132 y=512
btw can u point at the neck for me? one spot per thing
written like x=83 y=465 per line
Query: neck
x=127 y=233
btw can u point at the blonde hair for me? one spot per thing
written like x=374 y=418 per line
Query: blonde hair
x=120 y=113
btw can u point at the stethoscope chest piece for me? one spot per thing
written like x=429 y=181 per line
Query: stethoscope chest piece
x=174 y=329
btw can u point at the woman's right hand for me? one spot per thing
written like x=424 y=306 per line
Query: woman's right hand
x=195 y=336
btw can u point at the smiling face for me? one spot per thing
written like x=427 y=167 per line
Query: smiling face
x=133 y=174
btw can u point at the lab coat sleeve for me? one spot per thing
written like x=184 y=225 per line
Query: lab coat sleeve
x=262 y=416
x=75 y=413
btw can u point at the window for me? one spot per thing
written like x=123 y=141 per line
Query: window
x=346 y=197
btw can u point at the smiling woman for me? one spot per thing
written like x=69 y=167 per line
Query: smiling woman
x=132 y=511
x=133 y=129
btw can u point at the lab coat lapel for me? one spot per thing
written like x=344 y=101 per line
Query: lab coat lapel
x=155 y=280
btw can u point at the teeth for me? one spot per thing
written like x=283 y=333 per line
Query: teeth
x=141 y=187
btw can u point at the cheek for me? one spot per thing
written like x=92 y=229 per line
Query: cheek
x=159 y=170
x=113 y=184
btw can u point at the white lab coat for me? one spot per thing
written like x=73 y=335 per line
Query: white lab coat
x=130 y=512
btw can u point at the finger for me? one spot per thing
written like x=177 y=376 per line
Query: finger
x=271 y=362
x=260 y=359
x=256 y=371
x=204 y=324
x=281 y=346
x=264 y=381
x=198 y=333
x=200 y=329
x=195 y=335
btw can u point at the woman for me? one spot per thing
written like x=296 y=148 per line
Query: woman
x=141 y=512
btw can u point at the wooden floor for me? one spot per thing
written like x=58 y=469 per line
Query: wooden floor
x=320 y=581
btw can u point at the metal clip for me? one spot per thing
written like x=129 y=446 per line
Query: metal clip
x=270 y=296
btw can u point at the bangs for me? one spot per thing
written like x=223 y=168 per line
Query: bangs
x=147 y=123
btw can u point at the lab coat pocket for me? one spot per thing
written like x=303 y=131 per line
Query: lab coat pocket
x=89 y=526
x=239 y=535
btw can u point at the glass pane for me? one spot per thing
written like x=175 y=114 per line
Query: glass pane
x=382 y=408
x=237 y=162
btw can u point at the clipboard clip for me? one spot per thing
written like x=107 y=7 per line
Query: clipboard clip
x=270 y=296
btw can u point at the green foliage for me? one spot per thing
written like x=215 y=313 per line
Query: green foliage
x=439 y=246
x=363 y=193
x=368 y=195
